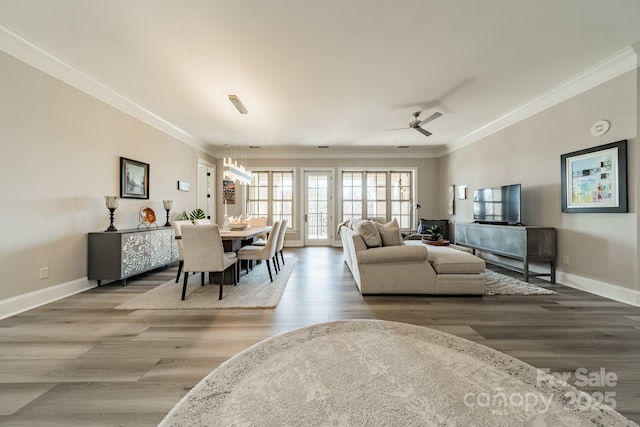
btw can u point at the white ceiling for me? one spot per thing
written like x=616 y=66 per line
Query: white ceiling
x=331 y=72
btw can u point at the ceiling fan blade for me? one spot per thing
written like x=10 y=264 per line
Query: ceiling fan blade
x=404 y=128
x=431 y=117
x=423 y=131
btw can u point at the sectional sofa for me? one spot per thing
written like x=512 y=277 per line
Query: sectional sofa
x=384 y=263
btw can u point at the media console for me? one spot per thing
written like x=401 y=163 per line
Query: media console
x=528 y=244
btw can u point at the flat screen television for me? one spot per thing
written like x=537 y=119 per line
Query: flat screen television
x=497 y=205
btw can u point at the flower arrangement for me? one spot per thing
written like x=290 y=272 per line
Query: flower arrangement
x=238 y=222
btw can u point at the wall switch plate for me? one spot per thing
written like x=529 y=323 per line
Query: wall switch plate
x=44 y=272
x=565 y=260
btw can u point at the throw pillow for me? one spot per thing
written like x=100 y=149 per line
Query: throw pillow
x=369 y=233
x=354 y=224
x=344 y=223
x=390 y=233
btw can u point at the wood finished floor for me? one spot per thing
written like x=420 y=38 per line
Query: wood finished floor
x=79 y=362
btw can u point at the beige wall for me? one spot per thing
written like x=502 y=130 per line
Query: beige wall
x=60 y=156
x=601 y=247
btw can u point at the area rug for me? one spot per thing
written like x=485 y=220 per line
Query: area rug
x=379 y=373
x=499 y=284
x=254 y=290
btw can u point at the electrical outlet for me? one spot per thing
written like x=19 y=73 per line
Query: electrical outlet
x=565 y=260
x=44 y=272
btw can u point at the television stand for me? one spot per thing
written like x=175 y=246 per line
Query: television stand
x=528 y=244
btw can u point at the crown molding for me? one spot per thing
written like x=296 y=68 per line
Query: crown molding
x=621 y=62
x=342 y=152
x=42 y=59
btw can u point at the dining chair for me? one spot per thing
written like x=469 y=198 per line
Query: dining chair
x=265 y=253
x=178 y=236
x=261 y=240
x=280 y=242
x=202 y=221
x=203 y=252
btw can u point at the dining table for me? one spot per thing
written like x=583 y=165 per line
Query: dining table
x=233 y=240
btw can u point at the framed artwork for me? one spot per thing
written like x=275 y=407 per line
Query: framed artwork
x=134 y=179
x=451 y=191
x=229 y=192
x=595 y=179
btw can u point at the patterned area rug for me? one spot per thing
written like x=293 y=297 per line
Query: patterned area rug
x=379 y=373
x=499 y=284
x=254 y=290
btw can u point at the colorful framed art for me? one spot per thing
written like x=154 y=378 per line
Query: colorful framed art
x=595 y=179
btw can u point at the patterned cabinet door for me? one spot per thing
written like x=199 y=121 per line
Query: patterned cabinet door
x=145 y=250
x=174 y=247
x=161 y=242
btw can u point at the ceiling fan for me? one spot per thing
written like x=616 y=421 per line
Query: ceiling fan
x=417 y=124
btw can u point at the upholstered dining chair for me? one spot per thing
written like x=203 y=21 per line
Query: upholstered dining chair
x=265 y=253
x=280 y=242
x=261 y=240
x=204 y=221
x=178 y=236
x=203 y=252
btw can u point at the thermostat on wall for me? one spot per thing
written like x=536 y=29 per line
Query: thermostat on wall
x=599 y=128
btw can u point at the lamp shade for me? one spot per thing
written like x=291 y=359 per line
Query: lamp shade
x=167 y=204
x=111 y=201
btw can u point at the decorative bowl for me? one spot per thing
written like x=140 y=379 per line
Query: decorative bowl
x=238 y=227
x=147 y=215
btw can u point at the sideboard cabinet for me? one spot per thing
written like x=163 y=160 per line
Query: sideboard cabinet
x=117 y=255
x=529 y=244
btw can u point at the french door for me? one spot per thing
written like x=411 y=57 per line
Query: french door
x=318 y=217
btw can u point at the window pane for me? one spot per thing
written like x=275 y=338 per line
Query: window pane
x=395 y=193
x=282 y=194
x=351 y=194
x=395 y=209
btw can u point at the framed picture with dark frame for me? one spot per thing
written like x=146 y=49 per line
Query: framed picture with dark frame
x=134 y=179
x=594 y=180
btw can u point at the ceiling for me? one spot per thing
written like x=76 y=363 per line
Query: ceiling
x=329 y=73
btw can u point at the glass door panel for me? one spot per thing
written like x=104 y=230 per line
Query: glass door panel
x=317 y=218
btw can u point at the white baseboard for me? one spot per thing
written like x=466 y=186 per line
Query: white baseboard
x=603 y=289
x=12 y=306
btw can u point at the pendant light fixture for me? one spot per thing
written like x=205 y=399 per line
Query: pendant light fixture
x=234 y=171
